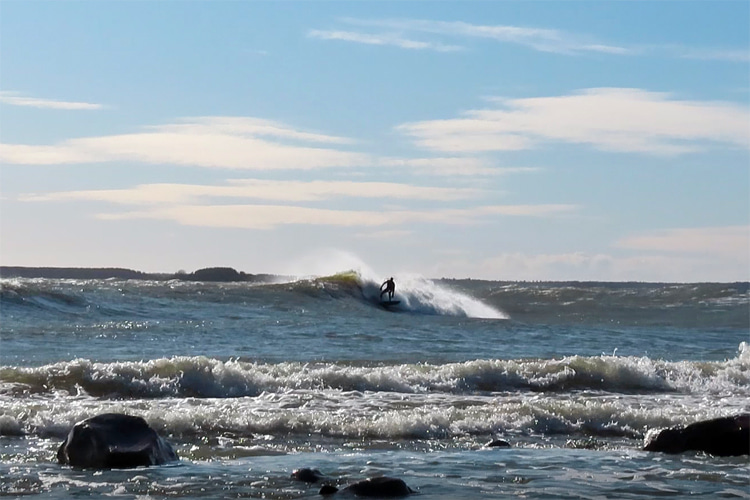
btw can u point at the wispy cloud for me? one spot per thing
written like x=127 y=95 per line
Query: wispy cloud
x=240 y=143
x=257 y=189
x=614 y=119
x=17 y=99
x=271 y=216
x=204 y=205
x=540 y=39
x=726 y=241
x=381 y=39
x=211 y=142
x=402 y=33
x=468 y=166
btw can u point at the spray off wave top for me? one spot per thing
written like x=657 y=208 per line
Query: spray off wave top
x=417 y=295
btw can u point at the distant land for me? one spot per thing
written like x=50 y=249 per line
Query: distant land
x=223 y=274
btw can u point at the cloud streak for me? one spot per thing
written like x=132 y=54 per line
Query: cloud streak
x=210 y=142
x=611 y=119
x=540 y=39
x=402 y=33
x=196 y=205
x=238 y=143
x=287 y=191
x=264 y=217
x=392 y=39
x=17 y=99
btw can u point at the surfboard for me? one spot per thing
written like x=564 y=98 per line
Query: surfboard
x=389 y=303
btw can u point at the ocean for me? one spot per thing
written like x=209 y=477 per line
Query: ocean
x=250 y=381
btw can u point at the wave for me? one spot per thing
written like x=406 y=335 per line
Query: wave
x=415 y=293
x=202 y=377
x=305 y=415
x=40 y=294
x=108 y=297
x=690 y=305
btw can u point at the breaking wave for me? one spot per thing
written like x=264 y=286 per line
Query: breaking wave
x=202 y=377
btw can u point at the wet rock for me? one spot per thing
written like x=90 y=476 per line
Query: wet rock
x=497 y=443
x=328 y=489
x=376 y=487
x=724 y=437
x=114 y=441
x=307 y=475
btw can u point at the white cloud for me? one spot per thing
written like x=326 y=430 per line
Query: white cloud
x=381 y=39
x=270 y=216
x=615 y=119
x=400 y=31
x=290 y=191
x=212 y=142
x=453 y=166
x=16 y=99
x=544 y=40
x=726 y=242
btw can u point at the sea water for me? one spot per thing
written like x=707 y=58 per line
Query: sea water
x=250 y=381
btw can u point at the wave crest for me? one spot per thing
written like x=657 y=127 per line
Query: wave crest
x=203 y=377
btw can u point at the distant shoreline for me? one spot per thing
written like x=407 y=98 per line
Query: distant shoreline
x=223 y=274
x=228 y=274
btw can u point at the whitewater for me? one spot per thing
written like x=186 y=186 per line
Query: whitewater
x=250 y=381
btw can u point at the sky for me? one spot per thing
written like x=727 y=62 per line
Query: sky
x=500 y=140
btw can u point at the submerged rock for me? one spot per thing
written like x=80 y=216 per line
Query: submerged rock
x=724 y=437
x=376 y=487
x=307 y=475
x=114 y=441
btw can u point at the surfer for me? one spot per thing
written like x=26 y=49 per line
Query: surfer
x=388 y=287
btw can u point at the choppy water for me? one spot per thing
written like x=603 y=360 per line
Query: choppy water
x=252 y=381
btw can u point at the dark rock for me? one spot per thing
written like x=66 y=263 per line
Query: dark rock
x=114 y=441
x=497 y=443
x=376 y=487
x=726 y=436
x=307 y=475
x=328 y=489
x=216 y=274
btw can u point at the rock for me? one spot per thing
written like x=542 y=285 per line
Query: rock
x=497 y=443
x=216 y=274
x=724 y=437
x=328 y=489
x=378 y=487
x=307 y=475
x=114 y=441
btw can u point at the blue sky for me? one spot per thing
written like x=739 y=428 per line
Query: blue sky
x=495 y=140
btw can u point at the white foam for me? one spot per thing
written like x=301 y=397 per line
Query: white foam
x=416 y=293
x=421 y=295
x=205 y=377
